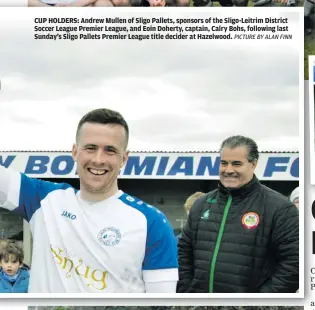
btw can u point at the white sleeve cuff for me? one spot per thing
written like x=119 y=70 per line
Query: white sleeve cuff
x=160 y=275
x=161 y=287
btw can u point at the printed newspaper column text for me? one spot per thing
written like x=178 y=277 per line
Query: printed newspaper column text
x=162 y=28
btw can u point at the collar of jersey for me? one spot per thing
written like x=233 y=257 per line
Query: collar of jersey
x=93 y=203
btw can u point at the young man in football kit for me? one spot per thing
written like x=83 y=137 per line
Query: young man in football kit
x=98 y=239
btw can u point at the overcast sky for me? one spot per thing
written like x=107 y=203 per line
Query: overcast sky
x=175 y=95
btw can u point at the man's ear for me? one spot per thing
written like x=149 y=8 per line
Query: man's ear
x=74 y=152
x=125 y=158
x=254 y=163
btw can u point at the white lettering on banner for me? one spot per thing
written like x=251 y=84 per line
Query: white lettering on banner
x=195 y=166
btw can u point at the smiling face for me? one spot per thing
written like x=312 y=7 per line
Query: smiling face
x=100 y=152
x=10 y=264
x=235 y=169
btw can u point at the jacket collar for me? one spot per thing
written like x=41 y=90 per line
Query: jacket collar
x=245 y=190
x=22 y=273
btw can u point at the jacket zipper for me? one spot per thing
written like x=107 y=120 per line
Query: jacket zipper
x=218 y=243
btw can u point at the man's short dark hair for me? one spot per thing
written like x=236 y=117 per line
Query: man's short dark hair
x=239 y=141
x=11 y=248
x=105 y=117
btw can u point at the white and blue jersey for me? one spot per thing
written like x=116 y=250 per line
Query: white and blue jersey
x=114 y=246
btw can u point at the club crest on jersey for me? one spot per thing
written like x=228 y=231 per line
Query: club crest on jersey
x=250 y=220
x=109 y=236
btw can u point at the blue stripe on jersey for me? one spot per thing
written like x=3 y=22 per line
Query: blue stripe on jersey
x=32 y=192
x=161 y=244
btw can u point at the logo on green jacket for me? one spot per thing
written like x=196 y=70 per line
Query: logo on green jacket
x=212 y=200
x=205 y=215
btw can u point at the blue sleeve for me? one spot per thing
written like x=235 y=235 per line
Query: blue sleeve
x=161 y=245
x=32 y=192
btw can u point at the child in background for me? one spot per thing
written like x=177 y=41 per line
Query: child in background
x=295 y=197
x=3 y=243
x=14 y=275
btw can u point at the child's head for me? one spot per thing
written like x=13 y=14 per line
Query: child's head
x=11 y=258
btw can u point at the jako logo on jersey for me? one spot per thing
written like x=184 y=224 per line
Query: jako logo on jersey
x=109 y=236
x=68 y=215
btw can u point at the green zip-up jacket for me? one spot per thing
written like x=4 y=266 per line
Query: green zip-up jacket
x=240 y=241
